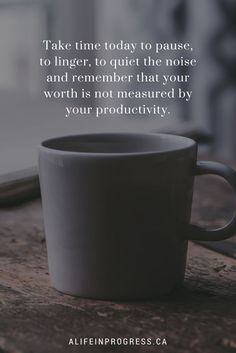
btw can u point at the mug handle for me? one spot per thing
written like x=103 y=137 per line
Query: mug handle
x=199 y=233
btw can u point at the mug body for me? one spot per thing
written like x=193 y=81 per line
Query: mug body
x=116 y=209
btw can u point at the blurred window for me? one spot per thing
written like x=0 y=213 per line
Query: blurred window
x=22 y=25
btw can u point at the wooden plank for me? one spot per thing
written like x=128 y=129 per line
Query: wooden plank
x=200 y=317
x=19 y=187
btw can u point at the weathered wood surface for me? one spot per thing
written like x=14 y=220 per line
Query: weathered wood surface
x=35 y=318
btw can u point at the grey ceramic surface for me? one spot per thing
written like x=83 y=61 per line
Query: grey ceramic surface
x=117 y=210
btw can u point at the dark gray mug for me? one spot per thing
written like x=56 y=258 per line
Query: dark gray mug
x=117 y=212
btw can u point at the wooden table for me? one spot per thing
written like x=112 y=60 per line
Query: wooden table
x=35 y=318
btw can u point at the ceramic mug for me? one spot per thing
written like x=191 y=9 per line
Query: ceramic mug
x=117 y=212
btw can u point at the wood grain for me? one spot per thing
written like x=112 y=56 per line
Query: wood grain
x=35 y=318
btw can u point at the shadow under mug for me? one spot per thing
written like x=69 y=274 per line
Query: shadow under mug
x=117 y=212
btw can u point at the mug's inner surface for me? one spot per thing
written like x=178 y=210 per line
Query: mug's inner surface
x=118 y=143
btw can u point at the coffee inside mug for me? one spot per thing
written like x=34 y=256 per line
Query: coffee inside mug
x=119 y=143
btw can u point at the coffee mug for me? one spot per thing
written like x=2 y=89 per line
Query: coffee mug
x=117 y=212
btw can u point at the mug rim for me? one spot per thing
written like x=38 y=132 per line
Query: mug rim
x=186 y=144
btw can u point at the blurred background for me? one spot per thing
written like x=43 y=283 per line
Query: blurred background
x=26 y=118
